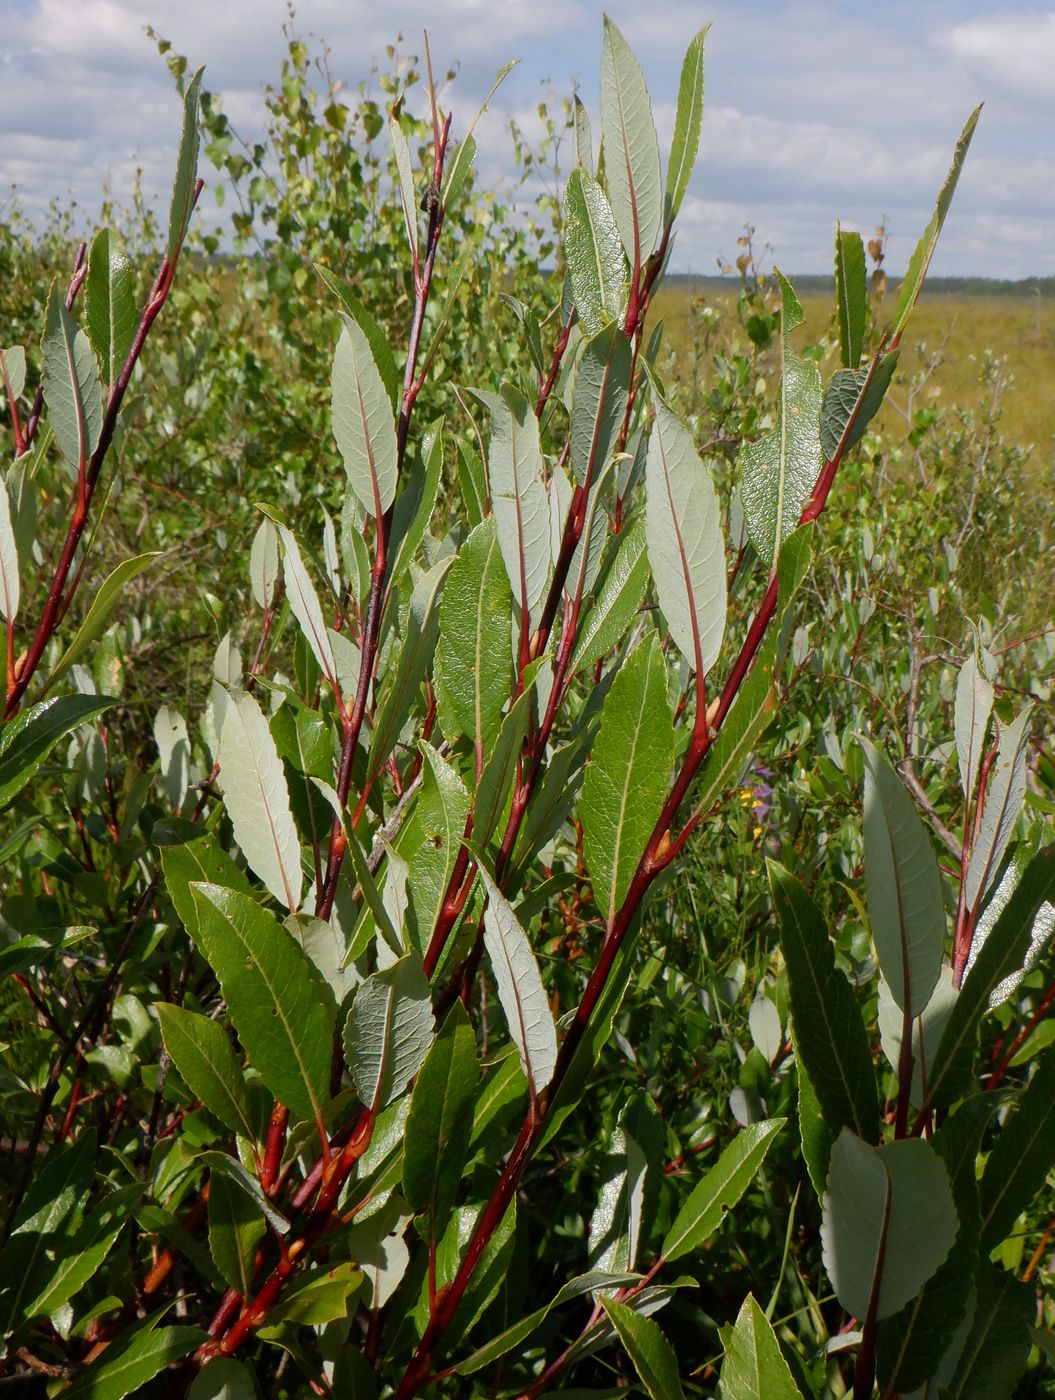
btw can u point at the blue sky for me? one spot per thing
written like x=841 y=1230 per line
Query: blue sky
x=814 y=110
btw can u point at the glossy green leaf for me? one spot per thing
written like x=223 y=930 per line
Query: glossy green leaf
x=685 y=545
x=889 y=1221
x=1000 y=956
x=912 y=284
x=9 y=573
x=1022 y=1156
x=498 y=773
x=415 y=503
x=628 y=776
x=583 y=136
x=388 y=1031
x=71 y=384
x=377 y=337
x=904 y=887
x=629 y=1177
x=363 y=425
x=236 y=1227
x=602 y=384
x=520 y=990
x=648 y=1348
x=110 y=302
x=223 y=1378
x=1005 y=793
x=135 y=1357
x=619 y=598
x=430 y=842
x=974 y=705
x=851 y=295
x=779 y=470
x=420 y=631
x=440 y=1121
x=111 y=591
x=474 y=650
x=200 y=860
x=815 y=1137
x=304 y=603
x=997 y=1342
x=631 y=150
x=830 y=1036
x=320 y=1296
x=26 y=740
x=257 y=798
x=712 y=1198
x=518 y=494
x=910 y=1344
x=852 y=398
x=182 y=203
x=458 y=170
x=594 y=254
x=754 y=1367
x=270 y=990
x=206 y=1061
x=687 y=122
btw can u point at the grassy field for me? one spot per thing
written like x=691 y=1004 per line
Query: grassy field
x=950 y=332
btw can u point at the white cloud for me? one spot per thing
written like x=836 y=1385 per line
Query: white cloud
x=1015 y=50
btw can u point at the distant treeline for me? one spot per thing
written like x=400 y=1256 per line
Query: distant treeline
x=942 y=286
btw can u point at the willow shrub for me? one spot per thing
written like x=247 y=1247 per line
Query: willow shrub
x=293 y=1049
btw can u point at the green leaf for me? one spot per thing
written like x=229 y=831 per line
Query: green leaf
x=754 y=1367
x=815 y=1137
x=270 y=990
x=687 y=122
x=257 y=798
x=322 y=1295
x=263 y=563
x=13 y=370
x=304 y=604
x=974 y=705
x=927 y=1030
x=910 y=1344
x=602 y=384
x=629 y=1178
x=389 y=1031
x=1024 y=1153
x=583 y=136
x=912 y=284
x=363 y=426
x=830 y=1036
x=404 y=181
x=631 y=150
x=629 y=775
x=474 y=650
x=26 y=740
x=186 y=170
x=50 y=1212
x=500 y=768
x=685 y=545
x=430 y=842
x=520 y=990
x=415 y=503
x=904 y=887
x=779 y=470
x=420 y=630
x=378 y=339
x=458 y=170
x=440 y=1121
x=71 y=384
x=110 y=302
x=851 y=295
x=223 y=1378
x=593 y=253
x=9 y=579
x=236 y=1227
x=712 y=1198
x=619 y=598
x=133 y=1359
x=205 y=1059
x=1001 y=955
x=996 y=1347
x=200 y=860
x=1005 y=793
x=98 y=615
x=647 y=1347
x=889 y=1222
x=518 y=493
x=852 y=398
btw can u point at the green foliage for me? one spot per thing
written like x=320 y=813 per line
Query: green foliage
x=392 y=988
